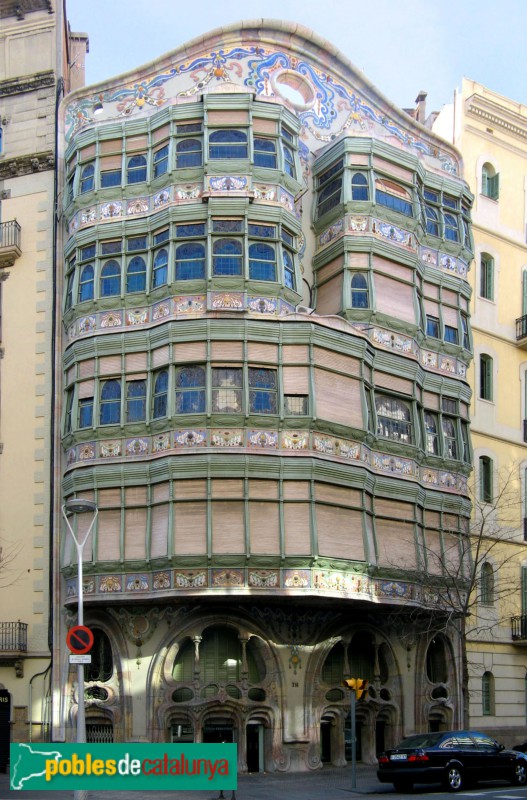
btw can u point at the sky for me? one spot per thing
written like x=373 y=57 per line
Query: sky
x=402 y=46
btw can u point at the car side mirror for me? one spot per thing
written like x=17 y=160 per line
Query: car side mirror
x=501 y=747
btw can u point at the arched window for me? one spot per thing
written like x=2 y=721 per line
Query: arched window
x=228 y=143
x=451 y=227
x=101 y=666
x=262 y=262
x=189 y=153
x=432 y=445
x=432 y=220
x=110 y=279
x=264 y=152
x=110 y=412
x=394 y=418
x=289 y=269
x=87 y=181
x=190 y=390
x=487 y=584
x=486 y=277
x=136 y=275
x=190 y=261
x=436 y=661
x=161 y=161
x=227 y=257
x=289 y=161
x=485 y=479
x=359 y=291
x=450 y=439
x=86 y=283
x=393 y=196
x=485 y=377
x=487 y=694
x=136 y=171
x=135 y=401
x=160 y=394
x=160 y=270
x=359 y=187
x=262 y=391
x=490 y=182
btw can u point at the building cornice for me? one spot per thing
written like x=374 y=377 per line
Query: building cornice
x=498 y=116
x=19 y=9
x=25 y=165
x=27 y=83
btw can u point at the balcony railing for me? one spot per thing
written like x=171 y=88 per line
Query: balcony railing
x=521 y=328
x=10 y=236
x=519 y=628
x=13 y=638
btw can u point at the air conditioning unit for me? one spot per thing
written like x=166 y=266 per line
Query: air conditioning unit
x=304 y=310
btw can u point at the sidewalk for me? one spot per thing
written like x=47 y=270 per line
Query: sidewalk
x=329 y=783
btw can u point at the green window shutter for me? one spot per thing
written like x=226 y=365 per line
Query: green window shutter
x=524 y=590
x=524 y=292
x=496 y=186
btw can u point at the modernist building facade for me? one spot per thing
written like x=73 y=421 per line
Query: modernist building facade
x=35 y=50
x=264 y=349
x=490 y=131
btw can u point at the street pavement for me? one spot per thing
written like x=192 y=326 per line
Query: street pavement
x=328 y=783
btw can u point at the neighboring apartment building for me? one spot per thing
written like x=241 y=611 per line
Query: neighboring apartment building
x=491 y=133
x=33 y=45
x=277 y=446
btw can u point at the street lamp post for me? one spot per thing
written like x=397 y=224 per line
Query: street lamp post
x=71 y=507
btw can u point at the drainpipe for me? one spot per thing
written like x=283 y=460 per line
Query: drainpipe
x=30 y=698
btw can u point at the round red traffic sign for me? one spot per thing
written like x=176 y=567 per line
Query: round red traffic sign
x=79 y=640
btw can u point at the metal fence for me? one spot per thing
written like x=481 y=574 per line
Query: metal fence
x=13 y=637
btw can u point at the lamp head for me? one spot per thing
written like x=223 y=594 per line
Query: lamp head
x=79 y=506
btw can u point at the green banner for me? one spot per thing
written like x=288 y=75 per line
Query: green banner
x=122 y=767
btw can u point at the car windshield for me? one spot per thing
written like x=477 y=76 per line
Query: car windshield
x=421 y=740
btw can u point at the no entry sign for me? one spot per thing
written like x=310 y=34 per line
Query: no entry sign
x=79 y=639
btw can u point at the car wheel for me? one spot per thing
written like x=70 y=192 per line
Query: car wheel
x=520 y=774
x=403 y=786
x=454 y=780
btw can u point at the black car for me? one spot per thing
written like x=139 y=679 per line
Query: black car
x=456 y=759
x=521 y=747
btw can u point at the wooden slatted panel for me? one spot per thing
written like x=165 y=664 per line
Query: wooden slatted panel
x=463 y=410
x=295 y=380
x=135 y=496
x=394 y=298
x=111 y=146
x=136 y=362
x=87 y=152
x=86 y=389
x=450 y=522
x=388 y=507
x=359 y=159
x=433 y=553
x=190 y=529
x=160 y=133
x=432 y=519
x=450 y=316
x=451 y=554
x=225 y=487
x=265 y=528
x=393 y=382
x=297 y=527
x=449 y=297
x=396 y=543
x=159 y=531
x=135 y=534
x=339 y=532
x=340 y=495
x=393 y=169
x=109 y=523
x=134 y=143
x=296 y=490
x=190 y=489
x=107 y=498
x=266 y=490
x=261 y=125
x=338 y=398
x=110 y=162
x=333 y=267
x=228 y=527
x=83 y=522
x=431 y=307
x=263 y=353
x=295 y=354
x=238 y=117
x=70 y=375
x=190 y=351
x=431 y=290
x=431 y=400
x=160 y=356
x=392 y=268
x=336 y=361
x=329 y=296
x=160 y=492
x=110 y=365
x=87 y=368
x=227 y=351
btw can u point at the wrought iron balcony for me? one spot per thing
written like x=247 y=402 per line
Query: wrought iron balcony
x=9 y=243
x=13 y=638
x=521 y=329
x=519 y=628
